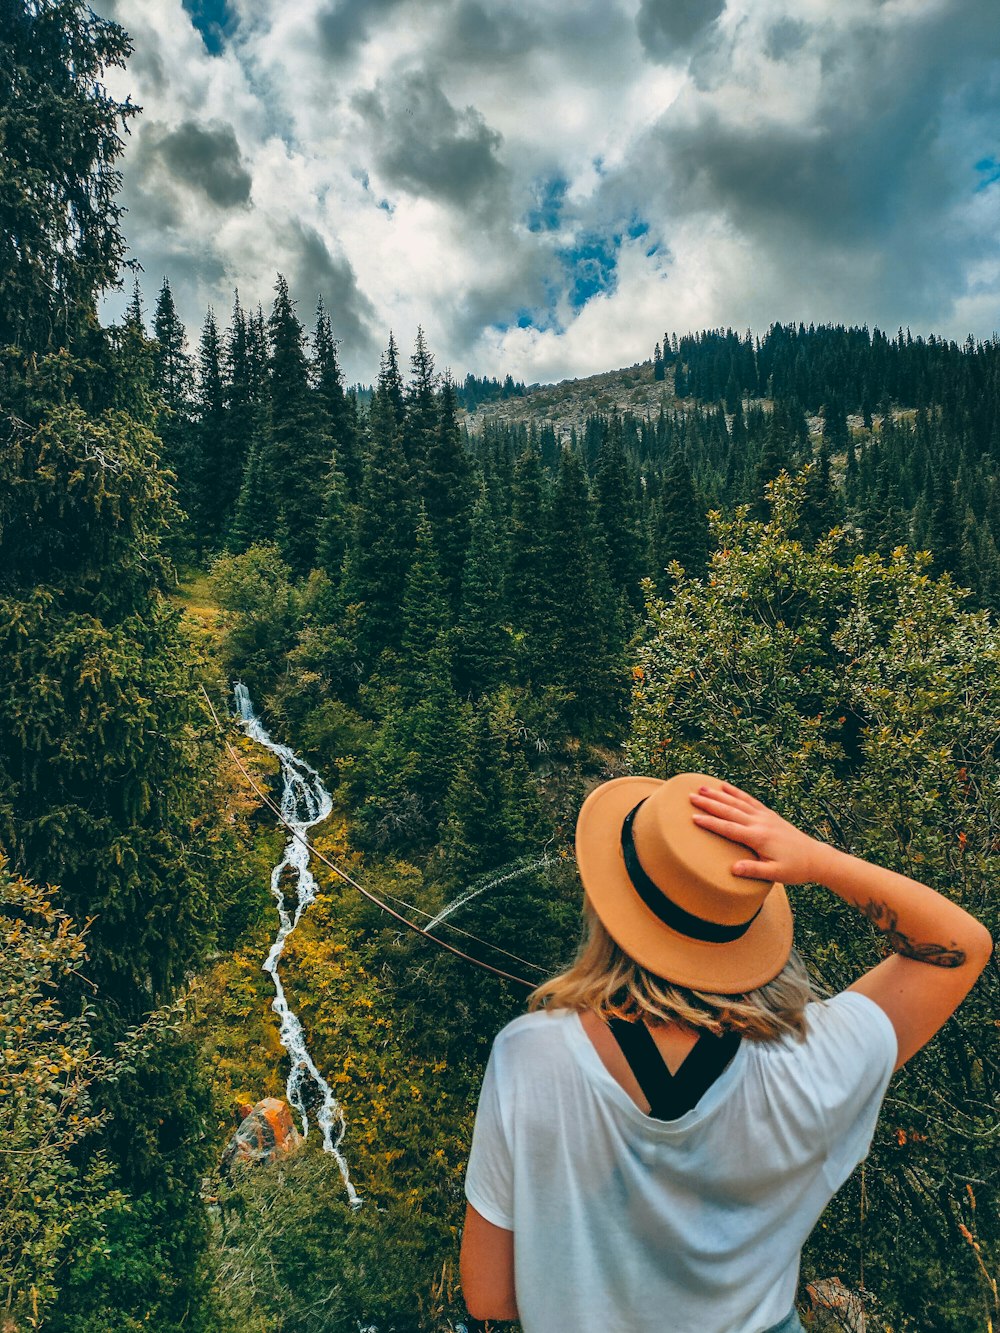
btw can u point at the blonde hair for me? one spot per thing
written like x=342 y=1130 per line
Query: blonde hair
x=604 y=978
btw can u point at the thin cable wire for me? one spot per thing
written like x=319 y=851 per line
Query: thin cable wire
x=391 y=897
x=366 y=893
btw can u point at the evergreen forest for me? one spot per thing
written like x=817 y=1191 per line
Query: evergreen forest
x=784 y=568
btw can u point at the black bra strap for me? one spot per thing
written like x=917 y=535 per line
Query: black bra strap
x=670 y=1095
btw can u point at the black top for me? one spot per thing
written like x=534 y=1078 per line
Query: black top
x=670 y=1095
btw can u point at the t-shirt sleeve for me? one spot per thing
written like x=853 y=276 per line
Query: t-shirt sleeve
x=854 y=1049
x=489 y=1178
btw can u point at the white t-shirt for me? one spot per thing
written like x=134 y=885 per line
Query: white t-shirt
x=625 y=1224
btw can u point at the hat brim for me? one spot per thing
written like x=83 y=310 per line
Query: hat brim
x=726 y=969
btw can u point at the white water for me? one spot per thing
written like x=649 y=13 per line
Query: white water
x=477 y=889
x=304 y=802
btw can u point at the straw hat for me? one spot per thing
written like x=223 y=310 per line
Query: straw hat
x=664 y=890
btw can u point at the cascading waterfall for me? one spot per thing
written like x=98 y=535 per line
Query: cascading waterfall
x=304 y=802
x=477 y=889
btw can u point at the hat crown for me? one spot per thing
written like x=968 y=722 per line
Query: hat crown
x=690 y=865
x=664 y=889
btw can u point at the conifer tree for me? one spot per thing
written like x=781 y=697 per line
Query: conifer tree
x=616 y=515
x=481 y=829
x=214 y=480
x=61 y=242
x=421 y=418
x=174 y=373
x=420 y=737
x=382 y=547
x=773 y=460
x=241 y=397
x=98 y=767
x=818 y=507
x=300 y=443
x=426 y=618
x=131 y=365
x=526 y=582
x=446 y=488
x=683 y=530
x=483 y=641
x=256 y=515
x=944 y=528
x=174 y=380
x=586 y=633
x=339 y=411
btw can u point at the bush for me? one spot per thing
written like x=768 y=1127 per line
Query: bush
x=857 y=697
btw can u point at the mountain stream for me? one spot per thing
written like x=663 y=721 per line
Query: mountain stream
x=304 y=802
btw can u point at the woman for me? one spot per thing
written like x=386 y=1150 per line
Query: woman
x=656 y=1140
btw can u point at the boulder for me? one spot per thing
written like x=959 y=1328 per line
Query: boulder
x=834 y=1307
x=266 y=1131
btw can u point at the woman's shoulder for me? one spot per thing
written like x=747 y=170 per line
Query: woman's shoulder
x=538 y=1021
x=850 y=1019
x=542 y=1027
x=849 y=1041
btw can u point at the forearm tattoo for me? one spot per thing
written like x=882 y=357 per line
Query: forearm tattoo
x=885 y=919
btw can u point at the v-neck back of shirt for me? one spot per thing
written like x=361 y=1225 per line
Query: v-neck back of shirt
x=671 y=1094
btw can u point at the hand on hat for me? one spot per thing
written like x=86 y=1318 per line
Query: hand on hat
x=785 y=853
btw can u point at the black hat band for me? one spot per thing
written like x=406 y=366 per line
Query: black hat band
x=672 y=915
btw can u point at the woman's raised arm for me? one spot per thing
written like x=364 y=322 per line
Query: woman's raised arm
x=939 y=950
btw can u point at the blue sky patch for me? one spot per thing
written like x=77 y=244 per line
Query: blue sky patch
x=213 y=19
x=550 y=197
x=989 y=171
x=591 y=267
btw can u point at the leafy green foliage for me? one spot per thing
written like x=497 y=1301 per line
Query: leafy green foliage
x=48 y=1069
x=60 y=239
x=858 y=697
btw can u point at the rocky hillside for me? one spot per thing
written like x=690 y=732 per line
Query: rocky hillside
x=567 y=405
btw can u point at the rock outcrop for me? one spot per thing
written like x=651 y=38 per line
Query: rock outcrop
x=835 y=1308
x=266 y=1132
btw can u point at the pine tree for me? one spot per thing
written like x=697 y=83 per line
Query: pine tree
x=585 y=643
x=683 y=531
x=301 y=446
x=526 y=582
x=481 y=828
x=426 y=619
x=616 y=515
x=61 y=242
x=421 y=416
x=174 y=373
x=106 y=783
x=213 y=483
x=339 y=411
x=132 y=386
x=420 y=738
x=382 y=546
x=446 y=488
x=483 y=641
x=818 y=507
x=242 y=406
x=255 y=517
x=945 y=528
x=773 y=460
x=98 y=766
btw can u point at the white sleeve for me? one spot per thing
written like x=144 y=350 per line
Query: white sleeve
x=854 y=1047
x=489 y=1178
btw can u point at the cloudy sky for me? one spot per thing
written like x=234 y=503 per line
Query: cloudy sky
x=547 y=186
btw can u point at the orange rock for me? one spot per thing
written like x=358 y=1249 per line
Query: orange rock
x=835 y=1307
x=266 y=1132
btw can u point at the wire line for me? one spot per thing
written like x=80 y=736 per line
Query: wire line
x=314 y=851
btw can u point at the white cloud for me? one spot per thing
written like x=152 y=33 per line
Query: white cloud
x=810 y=160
